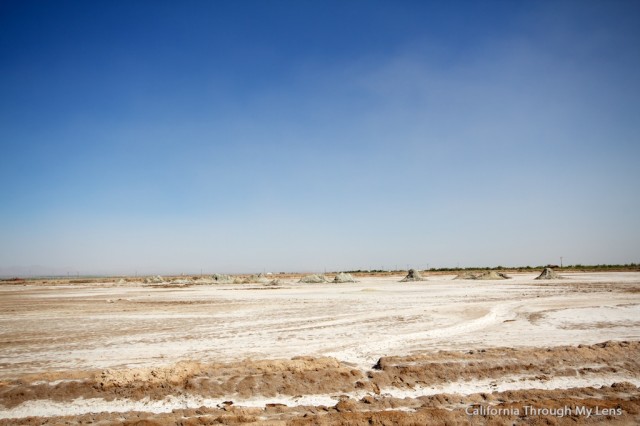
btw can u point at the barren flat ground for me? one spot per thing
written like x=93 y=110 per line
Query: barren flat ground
x=373 y=352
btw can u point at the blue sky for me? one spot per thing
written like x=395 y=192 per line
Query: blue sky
x=165 y=137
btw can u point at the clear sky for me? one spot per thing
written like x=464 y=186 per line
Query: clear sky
x=241 y=136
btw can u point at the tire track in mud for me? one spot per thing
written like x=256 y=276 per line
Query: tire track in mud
x=395 y=343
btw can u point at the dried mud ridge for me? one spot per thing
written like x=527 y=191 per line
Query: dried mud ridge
x=426 y=388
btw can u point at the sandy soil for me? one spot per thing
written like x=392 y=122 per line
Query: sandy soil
x=374 y=352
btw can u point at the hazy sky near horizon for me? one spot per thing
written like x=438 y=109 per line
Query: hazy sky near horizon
x=232 y=136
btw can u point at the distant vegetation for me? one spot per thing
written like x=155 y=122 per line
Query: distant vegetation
x=577 y=267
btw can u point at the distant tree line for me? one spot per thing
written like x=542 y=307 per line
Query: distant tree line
x=601 y=267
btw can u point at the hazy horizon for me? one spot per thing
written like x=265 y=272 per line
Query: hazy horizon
x=37 y=271
x=302 y=136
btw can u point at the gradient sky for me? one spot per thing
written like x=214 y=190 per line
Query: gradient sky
x=241 y=136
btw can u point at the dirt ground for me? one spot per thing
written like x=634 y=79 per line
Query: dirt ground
x=374 y=352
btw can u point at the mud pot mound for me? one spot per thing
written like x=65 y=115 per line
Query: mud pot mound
x=487 y=275
x=465 y=276
x=413 y=275
x=222 y=279
x=314 y=279
x=425 y=388
x=548 y=274
x=344 y=278
x=253 y=279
